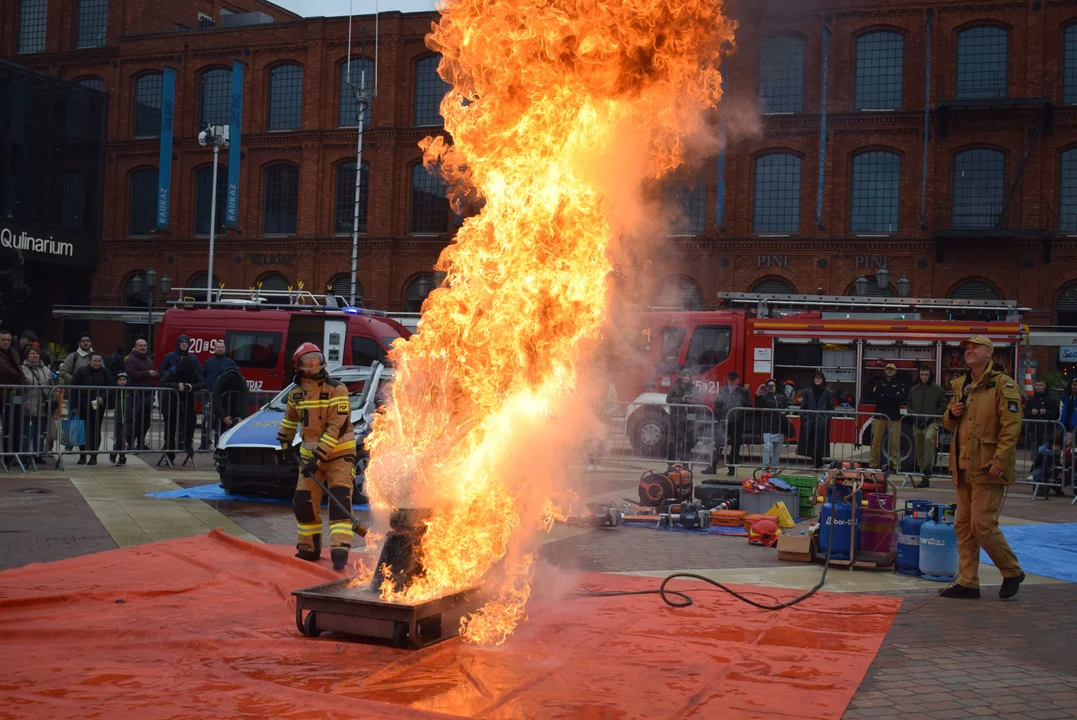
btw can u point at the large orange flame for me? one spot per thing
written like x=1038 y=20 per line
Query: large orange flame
x=559 y=110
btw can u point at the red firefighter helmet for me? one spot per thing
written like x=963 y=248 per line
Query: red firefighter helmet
x=764 y=532
x=308 y=359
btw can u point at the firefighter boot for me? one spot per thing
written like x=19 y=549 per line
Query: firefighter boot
x=340 y=474
x=340 y=558
x=311 y=555
x=308 y=524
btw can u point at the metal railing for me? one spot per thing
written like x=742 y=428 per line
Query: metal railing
x=39 y=423
x=646 y=432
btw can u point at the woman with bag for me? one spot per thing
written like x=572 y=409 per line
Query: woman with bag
x=39 y=407
x=89 y=403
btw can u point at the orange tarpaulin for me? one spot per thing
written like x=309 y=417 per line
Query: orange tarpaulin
x=205 y=627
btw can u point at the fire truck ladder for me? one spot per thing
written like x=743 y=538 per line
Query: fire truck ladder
x=768 y=304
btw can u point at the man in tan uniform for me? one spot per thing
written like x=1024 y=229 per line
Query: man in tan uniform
x=985 y=418
x=320 y=410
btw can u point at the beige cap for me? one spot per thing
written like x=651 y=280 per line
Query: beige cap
x=890 y=366
x=978 y=340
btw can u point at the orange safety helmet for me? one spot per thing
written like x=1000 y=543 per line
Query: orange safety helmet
x=308 y=359
x=764 y=532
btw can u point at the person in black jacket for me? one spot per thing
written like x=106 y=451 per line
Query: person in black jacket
x=123 y=413
x=1043 y=410
x=682 y=430
x=888 y=395
x=814 y=440
x=180 y=419
x=771 y=423
x=229 y=401
x=88 y=401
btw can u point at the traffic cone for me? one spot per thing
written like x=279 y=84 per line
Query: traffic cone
x=1028 y=383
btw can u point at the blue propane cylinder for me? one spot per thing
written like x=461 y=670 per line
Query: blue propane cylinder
x=837 y=537
x=908 y=536
x=938 y=545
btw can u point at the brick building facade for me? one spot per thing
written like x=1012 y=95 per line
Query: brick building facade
x=995 y=213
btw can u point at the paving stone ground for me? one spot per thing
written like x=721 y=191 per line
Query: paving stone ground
x=947 y=659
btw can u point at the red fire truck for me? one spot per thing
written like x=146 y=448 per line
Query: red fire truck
x=262 y=333
x=789 y=337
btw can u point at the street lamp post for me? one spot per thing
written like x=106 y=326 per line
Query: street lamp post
x=861 y=286
x=904 y=286
x=151 y=287
x=882 y=279
x=216 y=136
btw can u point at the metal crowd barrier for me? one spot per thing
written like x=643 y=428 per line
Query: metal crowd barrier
x=646 y=432
x=797 y=439
x=57 y=422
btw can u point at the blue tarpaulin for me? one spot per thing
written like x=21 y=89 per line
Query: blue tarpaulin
x=216 y=492
x=1049 y=549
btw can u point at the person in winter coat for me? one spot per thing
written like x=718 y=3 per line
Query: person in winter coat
x=10 y=400
x=40 y=405
x=1068 y=409
x=229 y=400
x=682 y=431
x=123 y=412
x=211 y=370
x=168 y=363
x=141 y=373
x=769 y=423
x=927 y=401
x=729 y=431
x=78 y=359
x=180 y=418
x=88 y=401
x=814 y=440
x=888 y=394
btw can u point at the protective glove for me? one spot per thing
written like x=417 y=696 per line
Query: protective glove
x=310 y=467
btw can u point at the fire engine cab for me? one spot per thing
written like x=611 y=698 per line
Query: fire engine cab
x=262 y=333
x=789 y=337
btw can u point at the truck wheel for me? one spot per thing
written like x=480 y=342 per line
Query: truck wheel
x=647 y=432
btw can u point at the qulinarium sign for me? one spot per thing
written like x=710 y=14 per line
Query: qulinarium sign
x=48 y=248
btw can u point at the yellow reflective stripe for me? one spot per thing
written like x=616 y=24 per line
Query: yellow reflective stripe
x=329 y=402
x=344 y=445
x=328 y=441
x=309 y=526
x=341 y=524
x=304 y=452
x=289 y=423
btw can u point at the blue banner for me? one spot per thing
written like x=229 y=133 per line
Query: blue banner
x=231 y=214
x=164 y=162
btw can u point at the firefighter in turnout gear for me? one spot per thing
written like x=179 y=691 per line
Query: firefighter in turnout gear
x=320 y=406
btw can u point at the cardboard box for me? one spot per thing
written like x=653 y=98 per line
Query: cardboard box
x=796 y=548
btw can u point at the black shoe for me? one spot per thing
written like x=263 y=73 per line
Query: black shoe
x=925 y=483
x=93 y=460
x=121 y=461
x=112 y=458
x=730 y=471
x=709 y=470
x=340 y=558
x=961 y=592
x=1010 y=586
x=309 y=555
x=82 y=460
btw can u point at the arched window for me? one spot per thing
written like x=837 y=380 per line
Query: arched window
x=876 y=191
x=680 y=291
x=273 y=287
x=1067 y=192
x=344 y=207
x=429 y=90
x=879 y=59
x=196 y=287
x=91 y=81
x=216 y=97
x=280 y=194
x=285 y=97
x=979 y=186
x=93 y=23
x=974 y=290
x=33 y=16
x=1066 y=310
x=341 y=285
x=774 y=286
x=203 y=198
x=689 y=202
x=1069 y=64
x=361 y=68
x=982 y=63
x=132 y=298
x=417 y=292
x=148 y=105
x=781 y=75
x=143 y=201
x=429 y=206
x=777 y=193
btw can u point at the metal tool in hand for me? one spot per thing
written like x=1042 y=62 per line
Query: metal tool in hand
x=357 y=527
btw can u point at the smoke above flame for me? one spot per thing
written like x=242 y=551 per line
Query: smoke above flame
x=560 y=110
